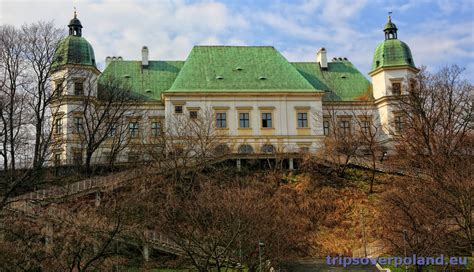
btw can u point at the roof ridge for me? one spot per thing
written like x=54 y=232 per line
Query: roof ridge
x=125 y=60
x=243 y=46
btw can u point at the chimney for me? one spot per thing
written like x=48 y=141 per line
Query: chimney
x=144 y=57
x=322 y=59
x=108 y=59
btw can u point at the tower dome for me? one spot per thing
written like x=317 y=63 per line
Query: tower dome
x=74 y=49
x=392 y=52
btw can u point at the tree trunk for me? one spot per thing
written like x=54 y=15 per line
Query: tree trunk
x=372 y=179
x=88 y=167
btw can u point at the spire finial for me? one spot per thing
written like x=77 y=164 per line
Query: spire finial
x=390 y=28
x=75 y=13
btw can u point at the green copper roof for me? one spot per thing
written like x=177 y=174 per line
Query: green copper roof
x=238 y=68
x=147 y=83
x=74 y=50
x=392 y=52
x=342 y=81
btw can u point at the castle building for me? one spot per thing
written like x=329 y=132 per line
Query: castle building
x=260 y=101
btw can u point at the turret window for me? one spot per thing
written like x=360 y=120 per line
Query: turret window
x=399 y=123
x=58 y=126
x=58 y=87
x=78 y=88
x=78 y=124
x=396 y=88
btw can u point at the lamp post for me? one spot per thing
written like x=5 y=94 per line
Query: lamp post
x=260 y=249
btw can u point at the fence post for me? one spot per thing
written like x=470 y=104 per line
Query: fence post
x=291 y=164
x=97 y=198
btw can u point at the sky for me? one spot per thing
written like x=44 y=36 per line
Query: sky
x=439 y=32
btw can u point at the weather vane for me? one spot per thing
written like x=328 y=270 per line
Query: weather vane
x=75 y=14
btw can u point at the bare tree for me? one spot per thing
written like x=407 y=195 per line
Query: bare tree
x=40 y=40
x=437 y=112
x=219 y=222
x=119 y=140
x=434 y=207
x=12 y=107
x=369 y=131
x=66 y=237
x=102 y=114
x=186 y=143
x=342 y=143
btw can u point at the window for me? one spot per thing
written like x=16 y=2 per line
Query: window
x=58 y=87
x=399 y=124
x=57 y=159
x=155 y=129
x=221 y=120
x=78 y=88
x=245 y=149
x=304 y=149
x=77 y=157
x=326 y=127
x=244 y=120
x=266 y=120
x=112 y=130
x=193 y=114
x=268 y=148
x=58 y=126
x=78 y=124
x=133 y=156
x=365 y=126
x=133 y=129
x=344 y=127
x=396 y=88
x=178 y=109
x=222 y=149
x=302 y=120
x=108 y=157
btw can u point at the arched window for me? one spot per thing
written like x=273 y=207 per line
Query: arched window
x=245 y=149
x=222 y=149
x=268 y=148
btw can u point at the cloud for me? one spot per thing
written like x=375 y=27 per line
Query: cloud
x=346 y=28
x=169 y=28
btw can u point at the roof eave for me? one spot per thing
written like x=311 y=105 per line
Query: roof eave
x=395 y=67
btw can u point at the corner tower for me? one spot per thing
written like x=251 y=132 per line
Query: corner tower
x=74 y=75
x=392 y=65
